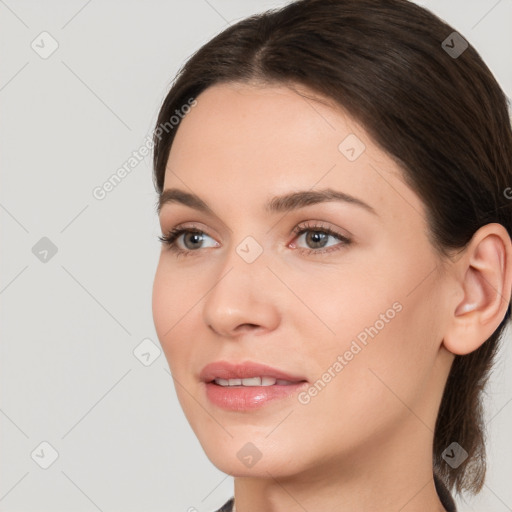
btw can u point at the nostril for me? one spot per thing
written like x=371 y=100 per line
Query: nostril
x=245 y=327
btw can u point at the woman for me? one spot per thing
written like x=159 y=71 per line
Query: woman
x=336 y=267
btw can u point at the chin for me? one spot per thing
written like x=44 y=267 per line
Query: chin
x=261 y=469
x=250 y=455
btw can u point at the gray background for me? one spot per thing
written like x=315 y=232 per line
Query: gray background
x=70 y=324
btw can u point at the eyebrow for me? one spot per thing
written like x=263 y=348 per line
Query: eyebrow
x=278 y=204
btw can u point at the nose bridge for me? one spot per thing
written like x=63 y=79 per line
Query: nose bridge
x=245 y=260
x=238 y=295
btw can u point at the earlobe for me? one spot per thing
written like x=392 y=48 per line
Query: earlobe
x=486 y=277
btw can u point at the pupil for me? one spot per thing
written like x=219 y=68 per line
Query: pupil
x=194 y=235
x=318 y=236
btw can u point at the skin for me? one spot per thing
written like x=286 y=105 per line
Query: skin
x=363 y=443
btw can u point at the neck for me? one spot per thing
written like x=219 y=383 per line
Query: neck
x=388 y=478
x=278 y=495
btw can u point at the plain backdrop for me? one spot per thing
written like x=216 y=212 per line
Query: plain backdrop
x=84 y=388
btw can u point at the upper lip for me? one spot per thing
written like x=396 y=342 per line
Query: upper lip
x=226 y=370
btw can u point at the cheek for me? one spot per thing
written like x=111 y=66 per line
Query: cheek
x=396 y=356
x=169 y=311
x=373 y=390
x=345 y=302
x=368 y=315
x=175 y=315
x=161 y=302
x=173 y=295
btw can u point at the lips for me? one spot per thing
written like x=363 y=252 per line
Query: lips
x=252 y=381
x=226 y=371
x=247 y=386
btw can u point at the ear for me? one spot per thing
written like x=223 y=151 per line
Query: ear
x=485 y=280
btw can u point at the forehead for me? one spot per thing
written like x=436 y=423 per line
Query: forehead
x=242 y=141
x=233 y=118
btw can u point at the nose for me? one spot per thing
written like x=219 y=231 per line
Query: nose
x=243 y=298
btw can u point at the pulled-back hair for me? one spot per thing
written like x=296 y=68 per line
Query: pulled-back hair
x=396 y=68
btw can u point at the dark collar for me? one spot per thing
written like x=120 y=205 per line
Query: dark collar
x=444 y=495
x=442 y=492
x=228 y=506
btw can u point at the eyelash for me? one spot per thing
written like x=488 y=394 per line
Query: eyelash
x=170 y=239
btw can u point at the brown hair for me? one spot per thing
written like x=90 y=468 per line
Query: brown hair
x=441 y=116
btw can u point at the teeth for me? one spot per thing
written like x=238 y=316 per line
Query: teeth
x=252 y=381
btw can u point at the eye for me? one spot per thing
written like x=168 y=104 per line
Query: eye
x=192 y=242
x=193 y=238
x=317 y=236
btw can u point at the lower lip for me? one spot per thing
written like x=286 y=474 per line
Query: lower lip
x=242 y=398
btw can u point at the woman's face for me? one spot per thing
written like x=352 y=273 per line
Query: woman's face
x=354 y=318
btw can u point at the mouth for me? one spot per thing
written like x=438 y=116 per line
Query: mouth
x=246 y=386
x=253 y=381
